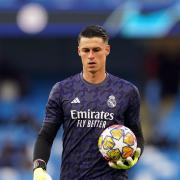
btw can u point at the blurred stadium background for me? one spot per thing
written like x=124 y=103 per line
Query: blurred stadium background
x=38 y=48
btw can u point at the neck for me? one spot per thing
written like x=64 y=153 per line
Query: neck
x=94 y=78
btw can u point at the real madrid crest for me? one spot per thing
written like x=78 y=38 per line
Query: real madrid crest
x=111 y=102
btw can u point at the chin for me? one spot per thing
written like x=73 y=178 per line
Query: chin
x=92 y=71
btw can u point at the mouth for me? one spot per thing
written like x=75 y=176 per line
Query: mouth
x=91 y=63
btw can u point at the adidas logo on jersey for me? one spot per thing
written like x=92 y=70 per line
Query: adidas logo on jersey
x=75 y=101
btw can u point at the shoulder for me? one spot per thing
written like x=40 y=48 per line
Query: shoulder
x=68 y=82
x=63 y=86
x=122 y=83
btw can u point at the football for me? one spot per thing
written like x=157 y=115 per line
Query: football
x=117 y=142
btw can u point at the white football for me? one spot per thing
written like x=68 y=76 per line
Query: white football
x=117 y=142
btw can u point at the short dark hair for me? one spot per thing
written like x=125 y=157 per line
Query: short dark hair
x=94 y=31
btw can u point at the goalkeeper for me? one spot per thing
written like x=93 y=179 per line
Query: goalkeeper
x=85 y=104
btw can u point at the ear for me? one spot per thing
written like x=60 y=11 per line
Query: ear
x=108 y=49
x=79 y=51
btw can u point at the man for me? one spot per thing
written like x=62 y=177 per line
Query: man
x=81 y=104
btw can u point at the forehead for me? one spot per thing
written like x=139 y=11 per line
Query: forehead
x=91 y=42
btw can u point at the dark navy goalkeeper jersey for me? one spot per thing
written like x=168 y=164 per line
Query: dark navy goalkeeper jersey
x=85 y=110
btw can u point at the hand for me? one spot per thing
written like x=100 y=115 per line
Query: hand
x=40 y=174
x=127 y=163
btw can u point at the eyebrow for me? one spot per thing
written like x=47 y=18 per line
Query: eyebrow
x=91 y=48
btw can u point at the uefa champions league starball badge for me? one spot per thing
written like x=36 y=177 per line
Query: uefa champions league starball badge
x=111 y=102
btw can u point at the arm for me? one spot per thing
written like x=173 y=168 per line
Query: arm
x=132 y=121
x=47 y=133
x=132 y=117
x=42 y=150
x=44 y=142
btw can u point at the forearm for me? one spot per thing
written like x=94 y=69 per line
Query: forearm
x=44 y=141
x=140 y=138
x=42 y=149
x=136 y=128
x=132 y=118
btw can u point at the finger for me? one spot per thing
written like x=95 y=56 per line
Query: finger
x=113 y=165
x=130 y=161
x=137 y=152
x=48 y=177
x=121 y=165
x=137 y=155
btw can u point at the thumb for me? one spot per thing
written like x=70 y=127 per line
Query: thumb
x=137 y=154
x=48 y=177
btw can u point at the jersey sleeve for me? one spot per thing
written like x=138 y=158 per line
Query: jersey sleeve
x=54 y=112
x=132 y=116
x=52 y=122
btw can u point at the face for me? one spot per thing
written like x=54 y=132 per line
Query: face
x=93 y=53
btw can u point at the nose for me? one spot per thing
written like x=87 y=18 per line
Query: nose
x=91 y=54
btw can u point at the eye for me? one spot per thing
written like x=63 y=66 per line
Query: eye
x=96 y=49
x=85 y=50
